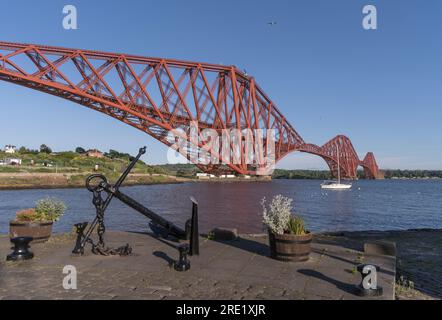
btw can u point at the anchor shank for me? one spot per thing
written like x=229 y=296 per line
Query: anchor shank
x=123 y=177
x=173 y=229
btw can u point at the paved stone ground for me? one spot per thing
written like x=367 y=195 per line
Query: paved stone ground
x=419 y=257
x=225 y=270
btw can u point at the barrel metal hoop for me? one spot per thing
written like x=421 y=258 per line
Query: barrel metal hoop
x=291 y=254
x=293 y=241
x=26 y=225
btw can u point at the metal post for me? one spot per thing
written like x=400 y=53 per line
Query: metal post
x=194 y=232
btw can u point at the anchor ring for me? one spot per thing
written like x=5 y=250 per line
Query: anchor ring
x=97 y=187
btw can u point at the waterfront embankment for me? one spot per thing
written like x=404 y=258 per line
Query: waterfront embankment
x=33 y=180
x=26 y=180
x=419 y=256
x=239 y=269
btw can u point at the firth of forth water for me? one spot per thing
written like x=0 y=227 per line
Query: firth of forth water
x=370 y=205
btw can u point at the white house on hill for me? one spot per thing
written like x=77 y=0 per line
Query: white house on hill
x=10 y=149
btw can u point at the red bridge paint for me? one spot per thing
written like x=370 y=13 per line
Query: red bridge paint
x=158 y=95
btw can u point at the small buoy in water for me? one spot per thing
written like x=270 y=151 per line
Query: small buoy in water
x=359 y=188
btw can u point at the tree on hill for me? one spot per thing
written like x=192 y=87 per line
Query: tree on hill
x=24 y=150
x=113 y=154
x=45 y=149
x=80 y=150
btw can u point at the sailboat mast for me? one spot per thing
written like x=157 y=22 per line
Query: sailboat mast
x=339 y=165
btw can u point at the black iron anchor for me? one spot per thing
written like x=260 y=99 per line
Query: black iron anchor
x=98 y=185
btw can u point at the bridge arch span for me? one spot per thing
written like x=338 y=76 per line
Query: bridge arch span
x=157 y=95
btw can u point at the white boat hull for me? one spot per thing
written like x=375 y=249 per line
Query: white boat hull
x=336 y=186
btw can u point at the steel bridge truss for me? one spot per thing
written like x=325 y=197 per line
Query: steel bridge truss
x=160 y=96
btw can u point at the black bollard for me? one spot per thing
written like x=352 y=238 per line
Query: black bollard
x=183 y=263
x=20 y=249
x=369 y=284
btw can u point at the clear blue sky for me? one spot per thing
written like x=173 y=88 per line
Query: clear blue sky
x=325 y=72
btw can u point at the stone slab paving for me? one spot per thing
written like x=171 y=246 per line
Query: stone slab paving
x=224 y=270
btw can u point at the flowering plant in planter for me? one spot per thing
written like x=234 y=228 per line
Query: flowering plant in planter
x=37 y=222
x=50 y=209
x=289 y=240
x=46 y=210
x=26 y=215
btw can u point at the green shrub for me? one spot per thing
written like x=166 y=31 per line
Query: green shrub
x=50 y=209
x=296 y=226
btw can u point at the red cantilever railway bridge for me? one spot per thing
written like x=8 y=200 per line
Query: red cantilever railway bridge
x=159 y=95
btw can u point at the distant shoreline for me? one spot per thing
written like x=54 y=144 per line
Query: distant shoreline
x=34 y=181
x=39 y=181
x=54 y=187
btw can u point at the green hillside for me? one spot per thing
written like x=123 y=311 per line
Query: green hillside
x=72 y=162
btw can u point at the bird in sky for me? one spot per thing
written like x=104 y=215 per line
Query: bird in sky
x=272 y=23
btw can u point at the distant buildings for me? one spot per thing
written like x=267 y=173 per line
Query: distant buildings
x=10 y=149
x=227 y=176
x=11 y=162
x=206 y=176
x=94 y=153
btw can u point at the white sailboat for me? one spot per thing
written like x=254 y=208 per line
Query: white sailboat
x=336 y=185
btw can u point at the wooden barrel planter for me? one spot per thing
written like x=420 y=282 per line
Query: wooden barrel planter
x=39 y=231
x=289 y=247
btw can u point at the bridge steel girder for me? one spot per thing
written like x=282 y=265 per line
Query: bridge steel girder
x=348 y=158
x=159 y=96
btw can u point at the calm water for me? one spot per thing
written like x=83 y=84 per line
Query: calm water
x=370 y=205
